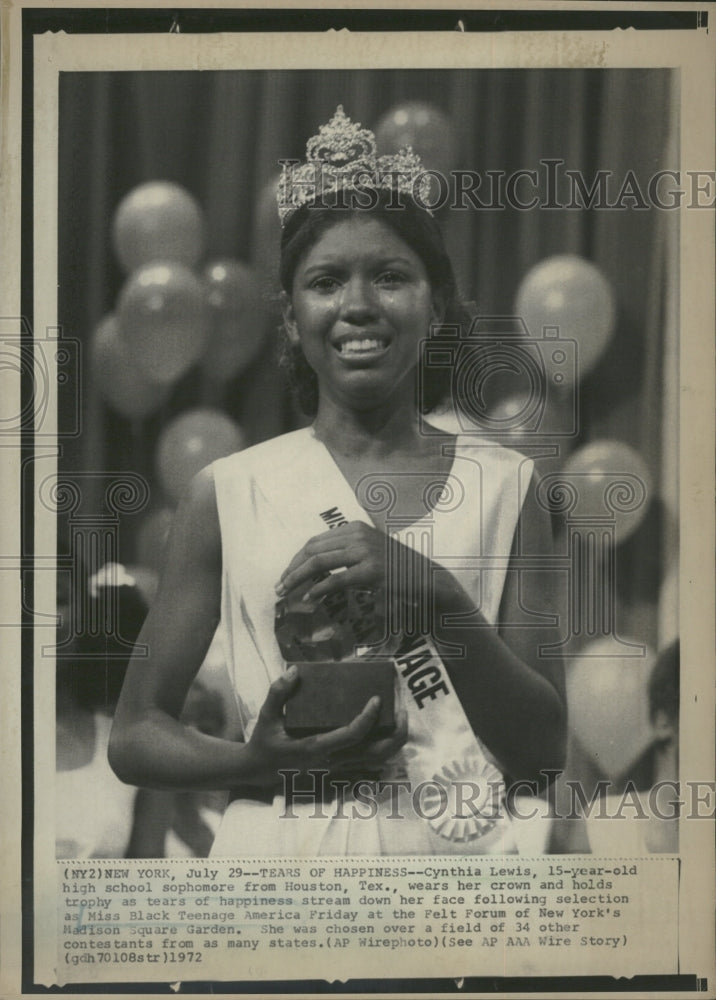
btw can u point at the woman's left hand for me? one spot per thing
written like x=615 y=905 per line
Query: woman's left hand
x=358 y=549
x=366 y=559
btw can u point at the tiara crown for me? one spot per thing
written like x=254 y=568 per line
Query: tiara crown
x=341 y=162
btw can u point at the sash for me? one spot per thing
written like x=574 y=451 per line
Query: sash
x=454 y=787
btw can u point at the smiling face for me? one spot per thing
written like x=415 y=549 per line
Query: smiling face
x=361 y=303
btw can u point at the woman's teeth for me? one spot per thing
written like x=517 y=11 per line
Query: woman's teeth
x=360 y=346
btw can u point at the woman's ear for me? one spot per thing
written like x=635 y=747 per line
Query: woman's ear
x=289 y=317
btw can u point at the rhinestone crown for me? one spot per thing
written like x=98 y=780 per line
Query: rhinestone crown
x=342 y=168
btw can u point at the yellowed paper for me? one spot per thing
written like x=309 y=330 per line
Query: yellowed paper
x=115 y=923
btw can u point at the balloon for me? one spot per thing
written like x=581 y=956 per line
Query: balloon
x=236 y=318
x=158 y=221
x=424 y=127
x=603 y=474
x=163 y=320
x=572 y=295
x=192 y=441
x=117 y=377
x=152 y=537
x=608 y=705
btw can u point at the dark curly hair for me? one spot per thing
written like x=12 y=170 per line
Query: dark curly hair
x=421 y=232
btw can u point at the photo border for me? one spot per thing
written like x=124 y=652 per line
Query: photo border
x=78 y=20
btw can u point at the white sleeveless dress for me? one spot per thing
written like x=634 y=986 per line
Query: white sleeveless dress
x=270 y=499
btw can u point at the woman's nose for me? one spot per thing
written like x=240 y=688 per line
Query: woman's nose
x=358 y=301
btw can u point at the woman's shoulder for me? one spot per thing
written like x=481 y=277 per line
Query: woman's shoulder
x=237 y=478
x=227 y=485
x=260 y=457
x=472 y=441
x=493 y=455
x=503 y=471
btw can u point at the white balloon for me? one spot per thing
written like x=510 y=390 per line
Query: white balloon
x=571 y=295
x=608 y=705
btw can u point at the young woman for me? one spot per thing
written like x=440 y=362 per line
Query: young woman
x=337 y=507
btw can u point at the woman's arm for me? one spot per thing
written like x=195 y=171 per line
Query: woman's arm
x=149 y=746
x=513 y=696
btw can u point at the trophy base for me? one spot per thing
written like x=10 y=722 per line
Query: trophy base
x=332 y=694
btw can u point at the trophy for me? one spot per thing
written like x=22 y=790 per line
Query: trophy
x=320 y=637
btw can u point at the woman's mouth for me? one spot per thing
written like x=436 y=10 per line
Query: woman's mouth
x=361 y=346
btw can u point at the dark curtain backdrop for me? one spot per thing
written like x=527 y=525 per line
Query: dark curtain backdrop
x=220 y=134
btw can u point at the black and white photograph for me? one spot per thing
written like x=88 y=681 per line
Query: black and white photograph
x=363 y=460
x=204 y=294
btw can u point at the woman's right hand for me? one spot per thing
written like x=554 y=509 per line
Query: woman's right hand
x=349 y=748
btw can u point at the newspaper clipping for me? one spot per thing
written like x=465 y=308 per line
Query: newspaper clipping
x=357 y=529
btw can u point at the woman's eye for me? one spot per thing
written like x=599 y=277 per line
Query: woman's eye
x=324 y=284
x=391 y=278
